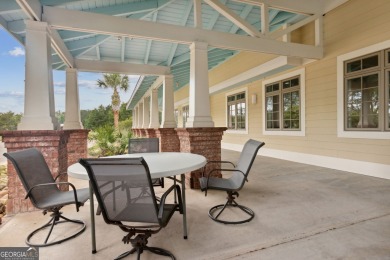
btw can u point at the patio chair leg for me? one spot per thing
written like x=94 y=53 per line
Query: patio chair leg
x=139 y=244
x=56 y=216
x=230 y=203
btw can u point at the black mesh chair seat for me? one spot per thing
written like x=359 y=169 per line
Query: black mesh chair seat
x=129 y=201
x=233 y=184
x=43 y=191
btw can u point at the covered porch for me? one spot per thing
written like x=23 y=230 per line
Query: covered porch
x=302 y=212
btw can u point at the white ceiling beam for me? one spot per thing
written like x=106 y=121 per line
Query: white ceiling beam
x=235 y=19
x=213 y=20
x=61 y=49
x=32 y=8
x=120 y=67
x=280 y=33
x=149 y=44
x=264 y=16
x=244 y=14
x=4 y=24
x=197 y=14
x=58 y=18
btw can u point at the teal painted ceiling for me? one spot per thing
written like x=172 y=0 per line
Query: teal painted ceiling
x=90 y=46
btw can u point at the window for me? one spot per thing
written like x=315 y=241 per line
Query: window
x=282 y=100
x=283 y=105
x=366 y=92
x=236 y=111
x=185 y=114
x=363 y=94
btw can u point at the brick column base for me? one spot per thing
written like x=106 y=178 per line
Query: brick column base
x=52 y=144
x=150 y=132
x=169 y=142
x=77 y=146
x=205 y=141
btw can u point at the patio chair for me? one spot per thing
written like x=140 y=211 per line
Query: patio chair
x=146 y=145
x=233 y=184
x=43 y=191
x=135 y=204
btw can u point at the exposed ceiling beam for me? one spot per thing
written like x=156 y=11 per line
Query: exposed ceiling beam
x=244 y=14
x=31 y=8
x=235 y=19
x=58 y=18
x=59 y=46
x=264 y=16
x=120 y=67
x=197 y=14
x=149 y=44
x=280 y=33
x=213 y=20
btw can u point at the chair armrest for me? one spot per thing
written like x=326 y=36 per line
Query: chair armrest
x=56 y=183
x=59 y=175
x=164 y=196
x=204 y=167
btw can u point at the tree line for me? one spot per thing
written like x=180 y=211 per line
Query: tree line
x=91 y=119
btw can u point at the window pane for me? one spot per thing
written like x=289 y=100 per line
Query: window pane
x=268 y=89
x=295 y=82
x=286 y=84
x=272 y=112
x=354 y=66
x=370 y=81
x=370 y=62
x=354 y=84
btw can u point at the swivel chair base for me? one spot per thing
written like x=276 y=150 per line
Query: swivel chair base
x=56 y=216
x=230 y=203
x=139 y=245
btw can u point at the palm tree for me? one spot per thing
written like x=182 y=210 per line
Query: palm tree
x=114 y=81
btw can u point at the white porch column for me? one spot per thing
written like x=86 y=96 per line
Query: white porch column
x=134 y=117
x=146 y=108
x=199 y=100
x=140 y=115
x=154 y=123
x=39 y=109
x=72 y=101
x=168 y=113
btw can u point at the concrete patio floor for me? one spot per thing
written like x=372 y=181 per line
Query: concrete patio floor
x=302 y=212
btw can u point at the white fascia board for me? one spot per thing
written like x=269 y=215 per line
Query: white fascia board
x=120 y=67
x=255 y=73
x=58 y=18
x=139 y=82
x=4 y=24
x=280 y=33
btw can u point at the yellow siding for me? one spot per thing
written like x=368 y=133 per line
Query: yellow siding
x=354 y=25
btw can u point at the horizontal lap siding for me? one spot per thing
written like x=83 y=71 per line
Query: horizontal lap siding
x=353 y=25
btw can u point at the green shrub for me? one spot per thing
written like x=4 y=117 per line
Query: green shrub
x=108 y=141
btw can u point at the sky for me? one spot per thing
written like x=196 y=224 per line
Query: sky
x=12 y=74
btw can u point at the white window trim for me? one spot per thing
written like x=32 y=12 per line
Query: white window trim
x=302 y=81
x=230 y=131
x=340 y=93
